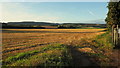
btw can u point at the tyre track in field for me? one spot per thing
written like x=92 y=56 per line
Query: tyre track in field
x=81 y=59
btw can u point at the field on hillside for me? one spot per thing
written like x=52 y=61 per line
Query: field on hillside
x=25 y=45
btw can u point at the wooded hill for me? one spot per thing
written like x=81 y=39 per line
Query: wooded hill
x=50 y=25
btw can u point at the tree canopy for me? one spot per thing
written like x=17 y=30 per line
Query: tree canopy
x=113 y=16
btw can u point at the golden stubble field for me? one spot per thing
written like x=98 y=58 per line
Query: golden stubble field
x=16 y=41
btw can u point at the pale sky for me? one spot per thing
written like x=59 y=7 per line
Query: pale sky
x=56 y=0
x=70 y=12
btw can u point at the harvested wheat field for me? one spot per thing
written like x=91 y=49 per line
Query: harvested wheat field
x=26 y=45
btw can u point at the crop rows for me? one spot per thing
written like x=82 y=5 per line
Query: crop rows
x=17 y=42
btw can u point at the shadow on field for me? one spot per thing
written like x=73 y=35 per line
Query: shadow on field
x=15 y=31
x=81 y=59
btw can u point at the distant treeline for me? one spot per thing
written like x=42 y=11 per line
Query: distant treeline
x=24 y=27
x=5 y=25
x=42 y=25
x=69 y=25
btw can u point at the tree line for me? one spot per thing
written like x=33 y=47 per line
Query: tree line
x=113 y=16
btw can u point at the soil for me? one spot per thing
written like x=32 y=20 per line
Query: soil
x=115 y=58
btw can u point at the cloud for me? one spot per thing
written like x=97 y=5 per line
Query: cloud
x=0 y=10
x=91 y=13
x=98 y=21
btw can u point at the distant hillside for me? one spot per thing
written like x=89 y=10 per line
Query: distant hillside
x=48 y=25
x=32 y=23
x=81 y=25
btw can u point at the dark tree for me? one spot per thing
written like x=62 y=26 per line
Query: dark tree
x=113 y=16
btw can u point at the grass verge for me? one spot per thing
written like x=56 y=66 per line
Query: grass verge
x=103 y=45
